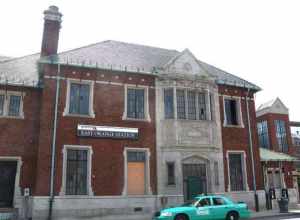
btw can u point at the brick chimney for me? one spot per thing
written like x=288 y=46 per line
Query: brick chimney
x=51 y=31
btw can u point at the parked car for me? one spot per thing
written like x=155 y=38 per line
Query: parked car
x=206 y=208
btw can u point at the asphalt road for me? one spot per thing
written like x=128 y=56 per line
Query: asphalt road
x=290 y=217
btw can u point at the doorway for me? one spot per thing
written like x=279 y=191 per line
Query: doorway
x=194 y=180
x=8 y=171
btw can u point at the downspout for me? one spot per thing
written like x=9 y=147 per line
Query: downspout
x=53 y=148
x=251 y=154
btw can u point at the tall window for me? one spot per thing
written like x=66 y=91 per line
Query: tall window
x=231 y=113
x=202 y=106
x=136 y=175
x=169 y=103
x=14 y=105
x=2 y=97
x=236 y=172
x=191 y=96
x=76 y=175
x=180 y=104
x=171 y=173
x=263 y=135
x=216 y=171
x=281 y=135
x=136 y=103
x=79 y=99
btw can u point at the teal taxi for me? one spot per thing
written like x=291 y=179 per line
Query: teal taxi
x=206 y=208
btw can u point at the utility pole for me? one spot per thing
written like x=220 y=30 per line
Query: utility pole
x=251 y=154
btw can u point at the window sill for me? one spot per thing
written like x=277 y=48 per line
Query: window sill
x=78 y=115
x=11 y=117
x=233 y=126
x=188 y=120
x=136 y=119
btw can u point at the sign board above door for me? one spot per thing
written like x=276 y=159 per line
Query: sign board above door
x=107 y=132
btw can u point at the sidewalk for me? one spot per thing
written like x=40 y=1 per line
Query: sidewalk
x=274 y=212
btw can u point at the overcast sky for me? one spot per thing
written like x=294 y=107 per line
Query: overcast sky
x=258 y=40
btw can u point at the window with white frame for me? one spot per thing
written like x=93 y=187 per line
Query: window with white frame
x=232 y=112
x=77 y=167
x=77 y=172
x=79 y=100
x=11 y=104
x=136 y=104
x=263 y=135
x=191 y=104
x=237 y=171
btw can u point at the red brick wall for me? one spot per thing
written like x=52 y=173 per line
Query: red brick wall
x=108 y=159
x=237 y=138
x=18 y=137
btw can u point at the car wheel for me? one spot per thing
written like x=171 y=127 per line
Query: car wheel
x=232 y=216
x=181 y=217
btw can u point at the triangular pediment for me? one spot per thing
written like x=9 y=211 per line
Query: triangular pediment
x=275 y=106
x=185 y=63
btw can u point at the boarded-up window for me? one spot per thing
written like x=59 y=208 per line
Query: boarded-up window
x=136 y=173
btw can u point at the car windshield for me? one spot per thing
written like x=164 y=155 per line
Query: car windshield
x=192 y=202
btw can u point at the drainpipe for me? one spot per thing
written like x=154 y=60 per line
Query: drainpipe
x=251 y=155
x=53 y=149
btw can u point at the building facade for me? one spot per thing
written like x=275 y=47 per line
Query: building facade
x=115 y=129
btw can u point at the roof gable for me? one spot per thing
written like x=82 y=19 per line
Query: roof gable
x=275 y=106
x=185 y=63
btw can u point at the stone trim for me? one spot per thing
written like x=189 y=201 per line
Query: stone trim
x=91 y=98
x=7 y=95
x=244 y=168
x=147 y=171
x=146 y=103
x=89 y=169
x=18 y=175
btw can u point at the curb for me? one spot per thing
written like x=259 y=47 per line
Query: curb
x=273 y=215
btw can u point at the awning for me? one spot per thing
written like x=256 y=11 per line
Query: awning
x=268 y=155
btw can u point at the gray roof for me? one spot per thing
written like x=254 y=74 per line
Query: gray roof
x=3 y=58
x=20 y=71
x=117 y=56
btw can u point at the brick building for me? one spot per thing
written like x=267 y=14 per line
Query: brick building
x=110 y=128
x=276 y=149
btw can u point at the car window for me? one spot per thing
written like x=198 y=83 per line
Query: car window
x=218 y=201
x=204 y=202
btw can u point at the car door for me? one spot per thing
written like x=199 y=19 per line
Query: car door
x=219 y=208
x=203 y=209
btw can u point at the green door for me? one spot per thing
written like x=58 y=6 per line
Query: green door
x=195 y=186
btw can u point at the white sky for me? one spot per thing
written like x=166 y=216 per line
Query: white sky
x=258 y=40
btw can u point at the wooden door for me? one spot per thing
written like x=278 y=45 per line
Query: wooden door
x=136 y=178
